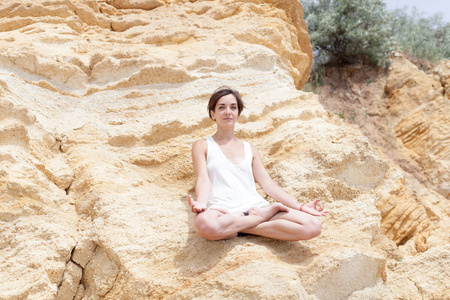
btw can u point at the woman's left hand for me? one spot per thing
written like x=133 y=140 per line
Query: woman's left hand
x=314 y=208
x=196 y=207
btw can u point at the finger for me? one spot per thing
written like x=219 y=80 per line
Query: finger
x=191 y=203
x=199 y=210
x=283 y=207
x=315 y=202
x=191 y=200
x=319 y=205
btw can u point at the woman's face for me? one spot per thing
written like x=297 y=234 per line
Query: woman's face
x=226 y=110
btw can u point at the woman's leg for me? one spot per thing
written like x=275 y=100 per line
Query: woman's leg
x=216 y=225
x=293 y=225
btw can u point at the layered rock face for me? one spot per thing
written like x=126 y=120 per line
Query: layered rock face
x=100 y=102
x=418 y=104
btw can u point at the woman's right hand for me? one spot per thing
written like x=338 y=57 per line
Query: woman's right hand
x=196 y=207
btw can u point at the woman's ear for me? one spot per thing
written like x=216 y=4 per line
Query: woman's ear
x=211 y=112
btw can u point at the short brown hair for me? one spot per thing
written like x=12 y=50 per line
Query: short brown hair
x=223 y=91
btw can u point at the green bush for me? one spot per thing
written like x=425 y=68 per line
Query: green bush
x=348 y=31
x=419 y=36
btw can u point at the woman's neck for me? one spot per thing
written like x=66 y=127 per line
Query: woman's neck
x=224 y=134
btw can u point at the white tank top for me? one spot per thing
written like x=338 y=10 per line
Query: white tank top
x=232 y=186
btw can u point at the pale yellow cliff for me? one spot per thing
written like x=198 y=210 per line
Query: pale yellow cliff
x=100 y=102
x=418 y=104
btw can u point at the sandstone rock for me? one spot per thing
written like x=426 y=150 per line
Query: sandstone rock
x=100 y=274
x=58 y=172
x=70 y=282
x=100 y=103
x=83 y=252
x=421 y=123
x=442 y=70
x=136 y=4
x=406 y=280
x=344 y=272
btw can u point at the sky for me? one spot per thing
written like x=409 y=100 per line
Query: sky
x=429 y=7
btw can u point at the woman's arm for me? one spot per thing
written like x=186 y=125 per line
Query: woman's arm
x=276 y=192
x=268 y=185
x=202 y=182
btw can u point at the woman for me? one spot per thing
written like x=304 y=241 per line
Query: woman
x=227 y=201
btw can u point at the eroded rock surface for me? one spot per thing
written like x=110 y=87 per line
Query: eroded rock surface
x=418 y=104
x=100 y=102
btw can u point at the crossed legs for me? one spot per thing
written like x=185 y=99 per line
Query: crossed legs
x=292 y=225
x=275 y=221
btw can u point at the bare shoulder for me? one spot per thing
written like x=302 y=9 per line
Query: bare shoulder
x=254 y=149
x=199 y=146
x=256 y=155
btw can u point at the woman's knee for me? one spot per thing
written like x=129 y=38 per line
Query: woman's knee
x=206 y=227
x=314 y=227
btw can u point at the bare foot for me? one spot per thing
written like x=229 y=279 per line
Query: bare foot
x=267 y=212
